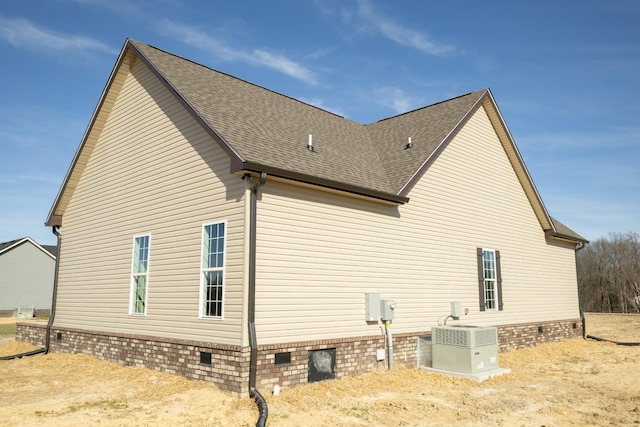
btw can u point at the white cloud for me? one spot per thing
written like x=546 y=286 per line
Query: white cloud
x=122 y=7
x=35 y=177
x=23 y=33
x=402 y=34
x=395 y=98
x=283 y=64
x=263 y=57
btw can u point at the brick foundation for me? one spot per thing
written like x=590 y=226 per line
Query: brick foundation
x=512 y=337
x=229 y=365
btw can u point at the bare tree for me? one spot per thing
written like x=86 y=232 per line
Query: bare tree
x=609 y=274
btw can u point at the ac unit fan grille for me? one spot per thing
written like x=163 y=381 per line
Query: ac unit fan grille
x=465 y=336
x=486 y=337
x=451 y=337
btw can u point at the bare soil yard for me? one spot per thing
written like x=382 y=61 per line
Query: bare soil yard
x=573 y=383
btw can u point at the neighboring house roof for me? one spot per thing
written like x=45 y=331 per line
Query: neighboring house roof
x=52 y=249
x=264 y=131
x=5 y=247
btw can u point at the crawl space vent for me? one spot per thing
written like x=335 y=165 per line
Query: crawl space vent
x=322 y=364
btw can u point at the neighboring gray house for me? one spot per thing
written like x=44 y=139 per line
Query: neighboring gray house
x=27 y=270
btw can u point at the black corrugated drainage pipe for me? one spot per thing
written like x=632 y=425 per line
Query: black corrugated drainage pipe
x=20 y=355
x=632 y=344
x=253 y=342
x=52 y=314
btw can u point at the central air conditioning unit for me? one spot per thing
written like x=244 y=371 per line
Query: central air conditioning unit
x=464 y=349
x=23 y=312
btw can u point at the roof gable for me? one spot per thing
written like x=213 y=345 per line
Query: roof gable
x=13 y=244
x=263 y=131
x=91 y=134
x=429 y=129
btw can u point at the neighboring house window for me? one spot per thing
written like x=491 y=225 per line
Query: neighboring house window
x=212 y=272
x=489 y=280
x=139 y=274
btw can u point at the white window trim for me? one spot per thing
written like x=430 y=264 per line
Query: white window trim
x=201 y=313
x=132 y=291
x=496 y=299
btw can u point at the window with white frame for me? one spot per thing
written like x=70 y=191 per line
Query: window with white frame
x=212 y=270
x=489 y=280
x=139 y=274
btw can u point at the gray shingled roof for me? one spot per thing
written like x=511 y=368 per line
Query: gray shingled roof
x=428 y=128
x=564 y=231
x=270 y=129
x=5 y=245
x=52 y=249
x=264 y=131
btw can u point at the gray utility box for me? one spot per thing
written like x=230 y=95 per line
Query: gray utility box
x=372 y=306
x=464 y=349
x=387 y=309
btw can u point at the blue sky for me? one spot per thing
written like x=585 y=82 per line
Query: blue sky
x=565 y=75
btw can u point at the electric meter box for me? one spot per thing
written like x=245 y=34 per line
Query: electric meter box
x=387 y=309
x=372 y=306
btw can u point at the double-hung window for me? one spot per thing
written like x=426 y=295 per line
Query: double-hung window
x=489 y=279
x=212 y=270
x=139 y=275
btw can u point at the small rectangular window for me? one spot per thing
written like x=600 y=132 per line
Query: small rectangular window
x=139 y=274
x=212 y=270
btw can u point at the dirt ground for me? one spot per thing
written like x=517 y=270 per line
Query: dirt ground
x=572 y=383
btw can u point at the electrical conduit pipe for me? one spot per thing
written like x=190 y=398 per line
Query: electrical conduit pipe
x=387 y=327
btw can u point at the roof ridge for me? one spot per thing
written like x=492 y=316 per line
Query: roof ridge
x=241 y=80
x=10 y=245
x=431 y=105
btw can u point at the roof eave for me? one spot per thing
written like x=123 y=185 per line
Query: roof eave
x=380 y=196
x=550 y=234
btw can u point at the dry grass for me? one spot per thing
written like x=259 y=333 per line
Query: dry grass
x=616 y=327
x=575 y=382
x=7 y=329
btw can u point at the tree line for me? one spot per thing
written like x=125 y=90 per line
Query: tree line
x=609 y=274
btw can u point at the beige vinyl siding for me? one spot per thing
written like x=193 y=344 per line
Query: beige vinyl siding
x=154 y=171
x=512 y=153
x=319 y=253
x=86 y=149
